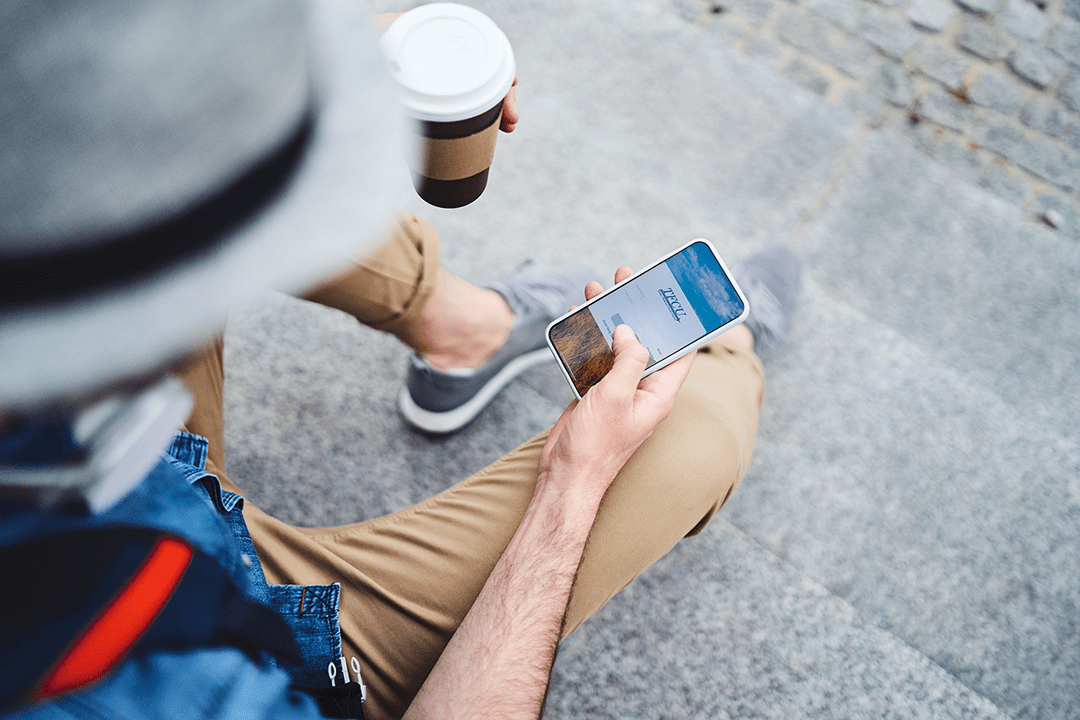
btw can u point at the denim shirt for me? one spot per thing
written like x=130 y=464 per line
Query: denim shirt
x=178 y=496
x=311 y=611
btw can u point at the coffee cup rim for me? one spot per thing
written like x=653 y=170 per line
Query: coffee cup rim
x=474 y=95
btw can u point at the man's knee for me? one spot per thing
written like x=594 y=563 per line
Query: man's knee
x=706 y=449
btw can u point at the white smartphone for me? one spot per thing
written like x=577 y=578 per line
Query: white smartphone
x=674 y=306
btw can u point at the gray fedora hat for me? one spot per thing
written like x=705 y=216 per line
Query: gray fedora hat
x=162 y=161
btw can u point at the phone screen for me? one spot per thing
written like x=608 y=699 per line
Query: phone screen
x=670 y=307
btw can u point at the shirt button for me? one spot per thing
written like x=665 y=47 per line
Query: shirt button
x=246 y=559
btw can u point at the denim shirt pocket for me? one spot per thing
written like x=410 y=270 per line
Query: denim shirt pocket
x=312 y=613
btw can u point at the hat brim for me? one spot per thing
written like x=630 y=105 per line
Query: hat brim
x=335 y=208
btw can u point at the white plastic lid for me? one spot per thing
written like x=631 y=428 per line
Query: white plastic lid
x=451 y=62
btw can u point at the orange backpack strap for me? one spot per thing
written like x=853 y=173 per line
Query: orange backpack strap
x=84 y=601
x=116 y=629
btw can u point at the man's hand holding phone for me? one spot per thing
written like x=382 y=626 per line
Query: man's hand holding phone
x=596 y=435
x=676 y=305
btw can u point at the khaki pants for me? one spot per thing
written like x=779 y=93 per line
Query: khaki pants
x=409 y=578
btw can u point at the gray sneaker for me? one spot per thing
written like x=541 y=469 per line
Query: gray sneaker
x=443 y=401
x=770 y=279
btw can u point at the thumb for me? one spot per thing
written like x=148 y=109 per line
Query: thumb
x=631 y=357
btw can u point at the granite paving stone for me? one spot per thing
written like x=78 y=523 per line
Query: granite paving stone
x=1003 y=138
x=944 y=109
x=1037 y=65
x=931 y=15
x=942 y=64
x=891 y=82
x=1051 y=119
x=984 y=40
x=1065 y=41
x=893 y=37
x=913 y=129
x=819 y=38
x=724 y=31
x=996 y=91
x=1069 y=92
x=1042 y=115
x=1024 y=20
x=1044 y=158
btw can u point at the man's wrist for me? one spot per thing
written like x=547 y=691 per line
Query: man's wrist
x=574 y=495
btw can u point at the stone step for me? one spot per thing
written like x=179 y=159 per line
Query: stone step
x=311 y=393
x=958 y=271
x=943 y=512
x=928 y=471
x=721 y=628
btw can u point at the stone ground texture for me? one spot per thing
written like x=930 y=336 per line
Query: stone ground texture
x=906 y=543
x=991 y=88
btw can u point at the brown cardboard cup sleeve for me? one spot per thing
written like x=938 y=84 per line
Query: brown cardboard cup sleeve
x=459 y=158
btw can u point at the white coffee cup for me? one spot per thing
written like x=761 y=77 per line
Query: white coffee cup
x=454 y=67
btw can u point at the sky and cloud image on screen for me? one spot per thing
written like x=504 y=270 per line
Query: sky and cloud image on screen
x=671 y=305
x=706 y=286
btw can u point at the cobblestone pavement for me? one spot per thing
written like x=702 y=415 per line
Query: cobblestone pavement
x=990 y=88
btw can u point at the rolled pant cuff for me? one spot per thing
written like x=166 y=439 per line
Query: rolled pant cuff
x=389 y=289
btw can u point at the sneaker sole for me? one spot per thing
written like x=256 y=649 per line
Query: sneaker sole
x=450 y=420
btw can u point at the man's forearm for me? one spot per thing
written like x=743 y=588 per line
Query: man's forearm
x=498 y=662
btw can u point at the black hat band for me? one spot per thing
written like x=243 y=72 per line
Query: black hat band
x=142 y=253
